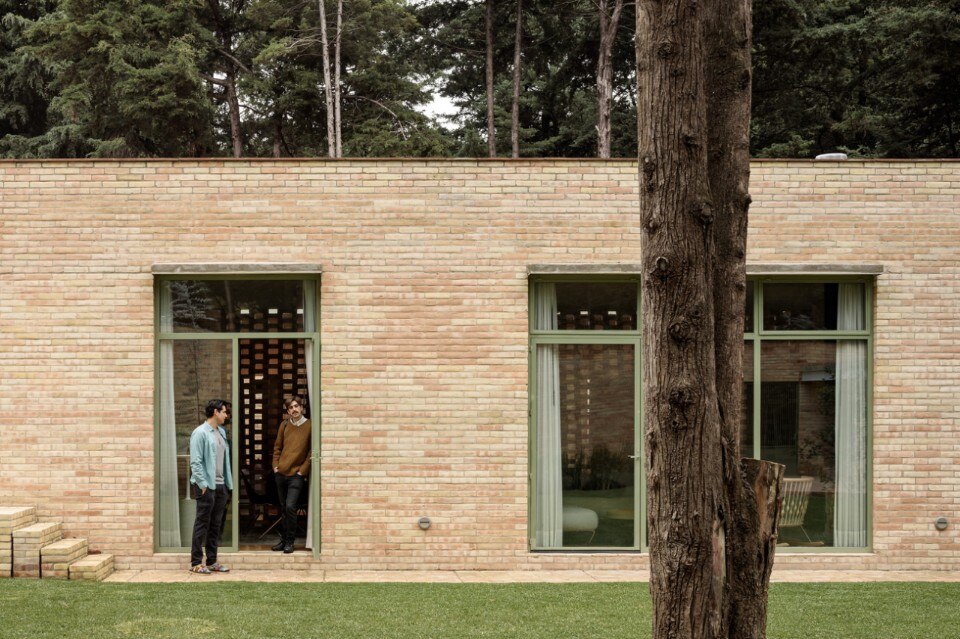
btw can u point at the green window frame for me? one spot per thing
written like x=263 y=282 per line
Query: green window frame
x=761 y=335
x=560 y=337
x=234 y=338
x=757 y=337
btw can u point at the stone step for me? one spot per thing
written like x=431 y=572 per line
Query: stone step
x=92 y=568
x=27 y=542
x=55 y=558
x=13 y=517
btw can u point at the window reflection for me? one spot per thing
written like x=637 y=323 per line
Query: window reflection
x=201 y=306
x=592 y=306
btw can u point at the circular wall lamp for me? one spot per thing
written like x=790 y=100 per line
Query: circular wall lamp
x=940 y=523
x=424 y=523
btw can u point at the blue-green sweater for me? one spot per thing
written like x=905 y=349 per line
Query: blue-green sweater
x=203 y=458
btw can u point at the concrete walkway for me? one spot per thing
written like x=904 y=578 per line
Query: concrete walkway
x=502 y=577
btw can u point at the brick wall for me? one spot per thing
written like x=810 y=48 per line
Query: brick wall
x=424 y=330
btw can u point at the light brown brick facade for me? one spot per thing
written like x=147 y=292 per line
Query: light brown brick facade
x=424 y=335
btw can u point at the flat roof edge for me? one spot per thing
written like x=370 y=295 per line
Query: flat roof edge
x=756 y=268
x=234 y=268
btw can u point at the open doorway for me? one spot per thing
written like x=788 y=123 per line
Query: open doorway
x=270 y=371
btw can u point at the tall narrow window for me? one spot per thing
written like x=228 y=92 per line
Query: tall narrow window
x=585 y=489
x=251 y=342
x=813 y=405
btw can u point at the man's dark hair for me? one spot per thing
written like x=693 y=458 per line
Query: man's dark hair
x=213 y=406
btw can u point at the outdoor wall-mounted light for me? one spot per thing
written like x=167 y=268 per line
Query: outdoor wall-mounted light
x=424 y=523
x=940 y=523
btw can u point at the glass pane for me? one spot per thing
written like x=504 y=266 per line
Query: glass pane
x=200 y=306
x=191 y=374
x=746 y=413
x=597 y=306
x=799 y=307
x=271 y=370
x=748 y=310
x=596 y=422
x=804 y=428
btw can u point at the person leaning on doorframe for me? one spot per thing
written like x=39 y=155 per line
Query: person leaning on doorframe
x=212 y=486
x=291 y=467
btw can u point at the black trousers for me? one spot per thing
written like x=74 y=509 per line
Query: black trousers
x=289 y=489
x=211 y=508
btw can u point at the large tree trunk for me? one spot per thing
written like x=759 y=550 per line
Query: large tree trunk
x=685 y=491
x=491 y=129
x=752 y=486
x=327 y=88
x=609 y=22
x=515 y=107
x=712 y=518
x=337 y=99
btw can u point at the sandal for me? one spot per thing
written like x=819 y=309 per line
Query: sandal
x=218 y=567
x=200 y=569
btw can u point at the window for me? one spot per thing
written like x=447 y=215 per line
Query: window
x=805 y=405
x=248 y=341
x=810 y=361
x=584 y=352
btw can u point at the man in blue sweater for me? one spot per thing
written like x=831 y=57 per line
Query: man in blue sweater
x=212 y=485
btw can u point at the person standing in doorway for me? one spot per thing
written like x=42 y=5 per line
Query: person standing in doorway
x=212 y=486
x=291 y=467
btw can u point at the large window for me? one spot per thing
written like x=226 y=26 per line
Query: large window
x=805 y=405
x=251 y=342
x=584 y=351
x=810 y=361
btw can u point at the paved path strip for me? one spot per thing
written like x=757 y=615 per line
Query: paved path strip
x=504 y=577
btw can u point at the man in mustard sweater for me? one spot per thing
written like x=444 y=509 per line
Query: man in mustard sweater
x=291 y=467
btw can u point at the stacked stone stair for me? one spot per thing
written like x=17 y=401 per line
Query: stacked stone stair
x=33 y=549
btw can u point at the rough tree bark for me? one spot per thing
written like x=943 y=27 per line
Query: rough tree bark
x=712 y=518
x=515 y=107
x=491 y=129
x=233 y=106
x=232 y=67
x=609 y=22
x=327 y=88
x=752 y=486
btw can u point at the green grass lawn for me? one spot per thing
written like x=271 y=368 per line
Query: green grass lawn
x=37 y=609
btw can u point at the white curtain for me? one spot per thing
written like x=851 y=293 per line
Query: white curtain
x=168 y=517
x=548 y=483
x=850 y=512
x=310 y=324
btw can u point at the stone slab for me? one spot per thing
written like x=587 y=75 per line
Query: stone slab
x=64 y=550
x=92 y=568
x=14 y=512
x=42 y=533
x=27 y=542
x=14 y=517
x=55 y=558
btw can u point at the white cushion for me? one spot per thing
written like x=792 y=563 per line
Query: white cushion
x=578 y=519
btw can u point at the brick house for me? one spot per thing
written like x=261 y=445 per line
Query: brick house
x=465 y=336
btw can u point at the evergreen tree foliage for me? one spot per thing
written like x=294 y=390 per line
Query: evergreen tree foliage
x=874 y=78
x=126 y=78
x=869 y=77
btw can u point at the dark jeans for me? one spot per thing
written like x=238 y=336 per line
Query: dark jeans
x=289 y=489
x=211 y=508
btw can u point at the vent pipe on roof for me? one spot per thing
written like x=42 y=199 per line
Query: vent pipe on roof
x=831 y=156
